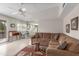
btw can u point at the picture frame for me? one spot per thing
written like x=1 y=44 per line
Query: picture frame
x=74 y=23
x=68 y=28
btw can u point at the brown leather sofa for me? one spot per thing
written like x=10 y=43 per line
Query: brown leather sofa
x=42 y=38
x=72 y=48
x=53 y=40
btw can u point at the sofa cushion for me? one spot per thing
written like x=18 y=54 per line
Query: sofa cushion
x=73 y=44
x=58 y=52
x=40 y=35
x=62 y=38
x=52 y=35
x=74 y=48
x=44 y=43
x=56 y=37
x=47 y=35
x=53 y=42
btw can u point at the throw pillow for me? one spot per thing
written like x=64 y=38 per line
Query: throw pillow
x=63 y=45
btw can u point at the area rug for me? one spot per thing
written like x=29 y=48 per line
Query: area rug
x=30 y=51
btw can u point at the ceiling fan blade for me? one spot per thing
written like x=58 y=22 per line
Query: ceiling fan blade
x=19 y=11
x=11 y=8
x=15 y=13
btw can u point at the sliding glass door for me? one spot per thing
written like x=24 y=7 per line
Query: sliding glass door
x=2 y=29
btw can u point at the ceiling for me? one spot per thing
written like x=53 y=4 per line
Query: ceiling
x=69 y=7
x=34 y=11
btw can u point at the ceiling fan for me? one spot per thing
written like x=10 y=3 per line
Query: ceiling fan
x=20 y=11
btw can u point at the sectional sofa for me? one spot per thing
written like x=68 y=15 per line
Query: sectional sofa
x=54 y=44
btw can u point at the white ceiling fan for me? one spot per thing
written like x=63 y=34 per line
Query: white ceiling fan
x=20 y=11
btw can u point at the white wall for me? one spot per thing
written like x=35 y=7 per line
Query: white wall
x=67 y=20
x=54 y=26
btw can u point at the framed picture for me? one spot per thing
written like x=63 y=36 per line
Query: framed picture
x=68 y=28
x=74 y=23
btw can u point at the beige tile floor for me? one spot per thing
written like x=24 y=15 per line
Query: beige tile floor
x=10 y=49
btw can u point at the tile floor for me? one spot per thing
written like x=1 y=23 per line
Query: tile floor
x=11 y=48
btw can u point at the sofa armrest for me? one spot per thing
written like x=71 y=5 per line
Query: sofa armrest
x=57 y=52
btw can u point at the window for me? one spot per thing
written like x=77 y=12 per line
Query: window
x=21 y=27
x=2 y=29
